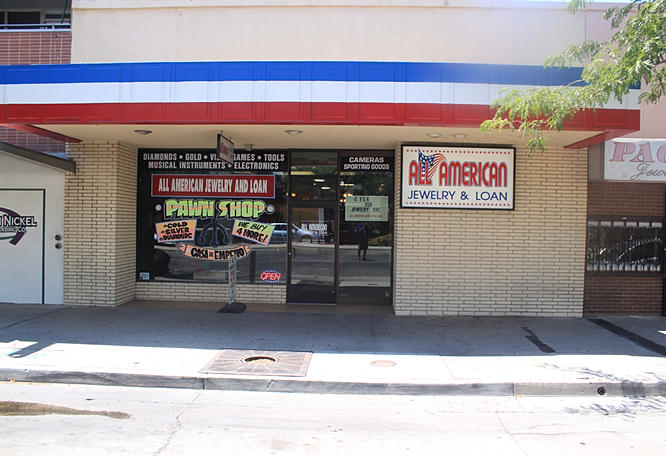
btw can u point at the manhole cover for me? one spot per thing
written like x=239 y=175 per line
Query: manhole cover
x=383 y=363
x=259 y=362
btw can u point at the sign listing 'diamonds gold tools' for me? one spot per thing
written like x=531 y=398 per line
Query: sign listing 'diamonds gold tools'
x=254 y=231
x=202 y=253
x=176 y=231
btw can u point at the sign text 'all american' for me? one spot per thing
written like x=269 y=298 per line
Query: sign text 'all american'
x=457 y=174
x=229 y=186
x=457 y=177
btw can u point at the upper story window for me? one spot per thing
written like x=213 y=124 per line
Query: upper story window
x=35 y=19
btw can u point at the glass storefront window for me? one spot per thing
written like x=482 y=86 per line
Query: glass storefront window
x=366 y=230
x=319 y=222
x=314 y=176
x=193 y=212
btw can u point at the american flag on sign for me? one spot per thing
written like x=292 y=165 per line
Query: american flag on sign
x=430 y=163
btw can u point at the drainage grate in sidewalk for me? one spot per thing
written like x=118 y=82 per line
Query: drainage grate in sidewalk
x=259 y=362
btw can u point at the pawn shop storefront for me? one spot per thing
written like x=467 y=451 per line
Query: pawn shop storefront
x=492 y=231
x=306 y=227
x=340 y=214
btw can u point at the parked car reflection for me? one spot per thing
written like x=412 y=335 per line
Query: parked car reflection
x=641 y=255
x=298 y=234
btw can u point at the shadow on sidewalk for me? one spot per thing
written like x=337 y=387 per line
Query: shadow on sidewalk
x=43 y=326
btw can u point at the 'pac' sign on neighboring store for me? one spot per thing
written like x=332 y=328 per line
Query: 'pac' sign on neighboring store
x=635 y=160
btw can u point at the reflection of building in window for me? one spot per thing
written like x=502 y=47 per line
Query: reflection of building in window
x=625 y=245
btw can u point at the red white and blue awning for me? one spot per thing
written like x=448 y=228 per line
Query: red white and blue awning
x=318 y=93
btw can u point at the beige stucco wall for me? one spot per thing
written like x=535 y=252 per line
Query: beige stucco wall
x=653 y=121
x=413 y=31
x=529 y=261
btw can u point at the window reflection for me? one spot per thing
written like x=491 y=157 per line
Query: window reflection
x=366 y=237
x=165 y=261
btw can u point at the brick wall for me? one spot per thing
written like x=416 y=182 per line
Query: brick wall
x=626 y=199
x=182 y=291
x=624 y=294
x=529 y=261
x=631 y=295
x=31 y=141
x=100 y=224
x=35 y=48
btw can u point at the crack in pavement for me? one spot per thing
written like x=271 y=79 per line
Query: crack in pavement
x=179 y=426
x=510 y=434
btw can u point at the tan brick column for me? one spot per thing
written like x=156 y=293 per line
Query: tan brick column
x=100 y=224
x=529 y=261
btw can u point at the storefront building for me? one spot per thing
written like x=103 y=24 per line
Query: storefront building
x=625 y=245
x=359 y=174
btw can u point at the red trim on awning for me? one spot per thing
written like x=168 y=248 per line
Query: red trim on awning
x=453 y=115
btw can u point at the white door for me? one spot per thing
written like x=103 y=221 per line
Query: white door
x=22 y=246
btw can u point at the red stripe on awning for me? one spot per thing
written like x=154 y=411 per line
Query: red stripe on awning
x=292 y=113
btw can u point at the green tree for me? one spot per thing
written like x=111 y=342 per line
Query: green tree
x=633 y=56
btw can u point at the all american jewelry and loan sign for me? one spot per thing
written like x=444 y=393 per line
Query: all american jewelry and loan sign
x=458 y=177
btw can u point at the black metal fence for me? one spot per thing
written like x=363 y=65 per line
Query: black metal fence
x=624 y=245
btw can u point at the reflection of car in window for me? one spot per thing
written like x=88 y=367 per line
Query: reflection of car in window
x=298 y=234
x=641 y=255
x=644 y=253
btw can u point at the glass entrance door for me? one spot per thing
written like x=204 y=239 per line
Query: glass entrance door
x=312 y=254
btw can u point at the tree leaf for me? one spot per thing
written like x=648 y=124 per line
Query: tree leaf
x=634 y=57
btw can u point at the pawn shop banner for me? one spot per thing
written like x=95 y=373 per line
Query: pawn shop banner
x=253 y=231
x=458 y=177
x=176 y=231
x=203 y=253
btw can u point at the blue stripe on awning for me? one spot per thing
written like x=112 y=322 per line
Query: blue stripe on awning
x=289 y=71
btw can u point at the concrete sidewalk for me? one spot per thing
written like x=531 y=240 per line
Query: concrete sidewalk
x=364 y=354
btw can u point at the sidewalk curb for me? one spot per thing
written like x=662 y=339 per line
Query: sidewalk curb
x=286 y=385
